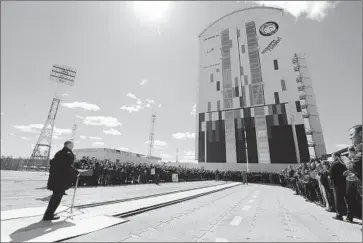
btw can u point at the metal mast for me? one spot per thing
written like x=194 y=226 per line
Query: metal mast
x=177 y=153
x=151 y=135
x=74 y=129
x=61 y=75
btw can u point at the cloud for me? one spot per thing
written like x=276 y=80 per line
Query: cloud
x=185 y=135
x=342 y=145
x=158 y=143
x=150 y=101
x=77 y=141
x=112 y=131
x=166 y=156
x=315 y=10
x=106 y=121
x=79 y=117
x=132 y=108
x=139 y=102
x=56 y=137
x=36 y=128
x=82 y=137
x=124 y=149
x=189 y=153
x=24 y=138
x=95 y=138
x=98 y=144
x=60 y=131
x=132 y=96
x=65 y=94
x=143 y=82
x=188 y=157
x=194 y=110
x=82 y=105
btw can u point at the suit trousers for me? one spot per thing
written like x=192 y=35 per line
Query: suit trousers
x=339 y=199
x=53 y=204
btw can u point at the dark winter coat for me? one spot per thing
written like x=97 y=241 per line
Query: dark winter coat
x=62 y=174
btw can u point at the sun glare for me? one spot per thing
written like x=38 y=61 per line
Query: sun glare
x=151 y=11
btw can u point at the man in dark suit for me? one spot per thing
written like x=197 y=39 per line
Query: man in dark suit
x=61 y=177
x=354 y=175
x=339 y=186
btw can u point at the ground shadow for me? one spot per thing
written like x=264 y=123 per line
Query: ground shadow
x=38 y=229
x=44 y=199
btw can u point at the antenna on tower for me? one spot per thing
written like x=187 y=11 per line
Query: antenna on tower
x=74 y=129
x=177 y=153
x=61 y=75
x=151 y=134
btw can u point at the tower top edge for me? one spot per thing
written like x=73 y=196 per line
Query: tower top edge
x=234 y=12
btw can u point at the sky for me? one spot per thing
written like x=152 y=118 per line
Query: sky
x=131 y=61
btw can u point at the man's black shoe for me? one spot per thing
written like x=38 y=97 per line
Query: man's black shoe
x=338 y=217
x=349 y=219
x=51 y=218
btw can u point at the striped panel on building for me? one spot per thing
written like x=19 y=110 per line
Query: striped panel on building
x=262 y=136
x=228 y=87
x=256 y=86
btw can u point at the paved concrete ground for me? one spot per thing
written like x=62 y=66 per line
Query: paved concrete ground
x=27 y=189
x=243 y=213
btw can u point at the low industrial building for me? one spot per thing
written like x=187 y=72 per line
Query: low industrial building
x=113 y=155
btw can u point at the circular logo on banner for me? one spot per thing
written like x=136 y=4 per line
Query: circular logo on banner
x=269 y=28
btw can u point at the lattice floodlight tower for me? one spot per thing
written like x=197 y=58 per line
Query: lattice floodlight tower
x=65 y=76
x=151 y=135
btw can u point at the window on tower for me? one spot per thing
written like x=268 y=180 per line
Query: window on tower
x=218 y=86
x=283 y=85
x=276 y=65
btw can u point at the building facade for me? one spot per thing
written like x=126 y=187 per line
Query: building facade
x=255 y=99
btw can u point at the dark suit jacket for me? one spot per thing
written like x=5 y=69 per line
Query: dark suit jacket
x=355 y=164
x=336 y=174
x=62 y=174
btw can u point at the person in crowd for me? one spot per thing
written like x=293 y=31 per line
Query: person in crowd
x=61 y=177
x=339 y=186
x=326 y=186
x=354 y=175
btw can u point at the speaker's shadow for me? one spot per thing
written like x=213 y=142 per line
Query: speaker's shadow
x=35 y=230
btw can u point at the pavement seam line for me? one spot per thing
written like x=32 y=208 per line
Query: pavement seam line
x=183 y=215
x=228 y=212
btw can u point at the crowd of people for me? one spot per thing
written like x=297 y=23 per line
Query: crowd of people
x=335 y=184
x=105 y=172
